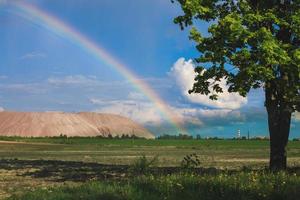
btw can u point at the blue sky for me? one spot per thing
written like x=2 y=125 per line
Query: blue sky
x=41 y=71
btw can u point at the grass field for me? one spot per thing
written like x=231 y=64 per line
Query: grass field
x=66 y=163
x=213 y=153
x=247 y=186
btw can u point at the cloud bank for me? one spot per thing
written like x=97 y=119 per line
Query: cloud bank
x=146 y=113
x=138 y=108
x=183 y=73
x=142 y=112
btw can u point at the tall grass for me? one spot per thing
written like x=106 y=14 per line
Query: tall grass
x=243 y=185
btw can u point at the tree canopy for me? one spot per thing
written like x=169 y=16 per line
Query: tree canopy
x=251 y=43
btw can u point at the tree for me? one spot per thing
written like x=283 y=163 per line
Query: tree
x=251 y=44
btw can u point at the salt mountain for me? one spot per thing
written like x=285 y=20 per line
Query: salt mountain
x=40 y=124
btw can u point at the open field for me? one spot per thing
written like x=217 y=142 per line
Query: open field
x=213 y=153
x=31 y=163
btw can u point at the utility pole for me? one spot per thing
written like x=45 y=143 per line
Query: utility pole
x=248 y=135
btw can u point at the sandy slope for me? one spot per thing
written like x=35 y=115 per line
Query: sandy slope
x=70 y=124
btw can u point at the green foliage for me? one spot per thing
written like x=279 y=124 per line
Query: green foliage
x=179 y=137
x=190 y=161
x=260 y=40
x=246 y=186
x=91 y=191
x=142 y=165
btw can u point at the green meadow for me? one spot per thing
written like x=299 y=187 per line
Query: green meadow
x=98 y=168
x=212 y=153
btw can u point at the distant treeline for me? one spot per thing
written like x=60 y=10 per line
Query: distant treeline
x=109 y=136
x=179 y=137
x=63 y=136
x=126 y=136
x=198 y=137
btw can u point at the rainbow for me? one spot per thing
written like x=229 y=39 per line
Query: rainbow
x=41 y=18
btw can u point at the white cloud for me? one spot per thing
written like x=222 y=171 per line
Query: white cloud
x=90 y=82
x=208 y=113
x=142 y=112
x=136 y=96
x=184 y=74
x=135 y=107
x=187 y=115
x=145 y=112
x=33 y=54
x=30 y=88
x=1 y=109
x=98 y=101
x=196 y=116
x=158 y=83
x=72 y=80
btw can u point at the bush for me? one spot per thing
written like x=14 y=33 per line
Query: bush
x=142 y=164
x=190 y=162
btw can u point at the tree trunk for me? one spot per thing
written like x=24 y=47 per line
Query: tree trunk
x=279 y=119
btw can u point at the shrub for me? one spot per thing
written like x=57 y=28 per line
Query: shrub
x=142 y=164
x=190 y=161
